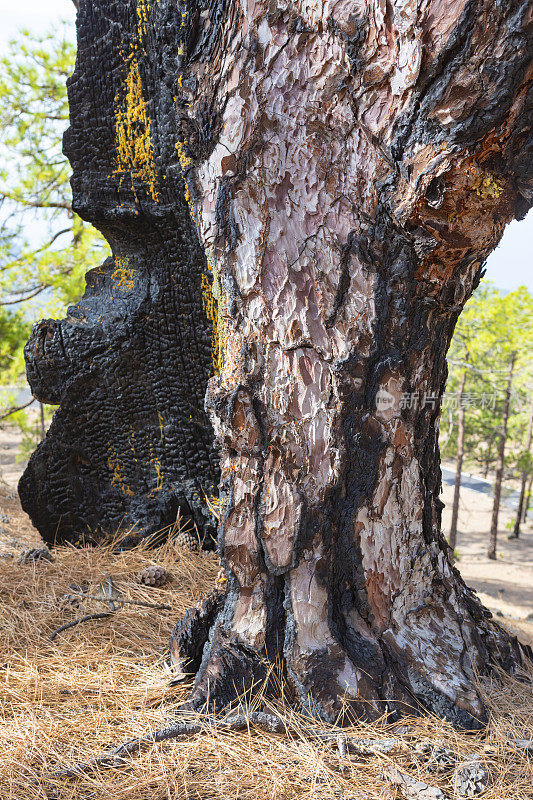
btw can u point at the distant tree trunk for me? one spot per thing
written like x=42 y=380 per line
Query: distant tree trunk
x=501 y=463
x=528 y=499
x=459 y=462
x=523 y=483
x=349 y=167
x=41 y=416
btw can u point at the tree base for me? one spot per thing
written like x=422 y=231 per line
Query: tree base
x=230 y=674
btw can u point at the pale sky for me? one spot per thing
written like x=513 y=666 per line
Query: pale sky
x=509 y=266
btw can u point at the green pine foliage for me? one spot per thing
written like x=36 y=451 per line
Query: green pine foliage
x=492 y=327
x=45 y=248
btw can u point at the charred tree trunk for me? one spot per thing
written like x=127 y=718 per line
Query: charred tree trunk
x=523 y=482
x=493 y=540
x=349 y=166
x=131 y=444
x=458 y=463
x=363 y=160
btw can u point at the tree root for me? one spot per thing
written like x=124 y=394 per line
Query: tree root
x=236 y=722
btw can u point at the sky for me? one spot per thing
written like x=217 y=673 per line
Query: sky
x=509 y=266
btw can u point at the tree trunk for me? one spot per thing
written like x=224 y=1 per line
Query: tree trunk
x=363 y=160
x=501 y=464
x=458 y=463
x=131 y=444
x=528 y=499
x=523 y=483
x=349 y=168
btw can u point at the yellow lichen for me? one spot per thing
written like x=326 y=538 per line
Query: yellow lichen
x=142 y=18
x=161 y=430
x=488 y=186
x=134 y=148
x=214 y=304
x=123 y=275
x=117 y=477
x=159 y=473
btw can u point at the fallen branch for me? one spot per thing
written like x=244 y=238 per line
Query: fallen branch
x=86 y=618
x=237 y=722
x=122 y=601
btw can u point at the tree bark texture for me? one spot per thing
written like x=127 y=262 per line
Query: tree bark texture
x=458 y=463
x=493 y=538
x=362 y=162
x=348 y=166
x=131 y=443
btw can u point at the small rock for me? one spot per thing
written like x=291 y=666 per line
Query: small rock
x=524 y=745
x=412 y=789
x=35 y=554
x=472 y=778
x=437 y=756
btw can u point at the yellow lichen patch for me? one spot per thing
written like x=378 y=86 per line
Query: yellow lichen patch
x=211 y=302
x=143 y=8
x=185 y=160
x=161 y=430
x=135 y=152
x=117 y=477
x=123 y=275
x=159 y=473
x=488 y=186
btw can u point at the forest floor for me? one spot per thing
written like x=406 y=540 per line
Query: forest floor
x=107 y=680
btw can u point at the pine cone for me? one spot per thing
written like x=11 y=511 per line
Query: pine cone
x=472 y=778
x=188 y=540
x=154 y=576
x=35 y=554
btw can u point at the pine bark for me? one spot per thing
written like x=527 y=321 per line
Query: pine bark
x=362 y=162
x=458 y=463
x=348 y=167
x=493 y=539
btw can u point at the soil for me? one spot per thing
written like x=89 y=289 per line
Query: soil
x=505 y=586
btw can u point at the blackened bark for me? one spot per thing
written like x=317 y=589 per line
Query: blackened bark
x=458 y=463
x=131 y=443
x=493 y=540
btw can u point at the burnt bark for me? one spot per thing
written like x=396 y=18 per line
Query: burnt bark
x=348 y=166
x=131 y=444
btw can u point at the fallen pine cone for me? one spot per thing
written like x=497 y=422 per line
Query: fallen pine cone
x=154 y=576
x=188 y=540
x=472 y=778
